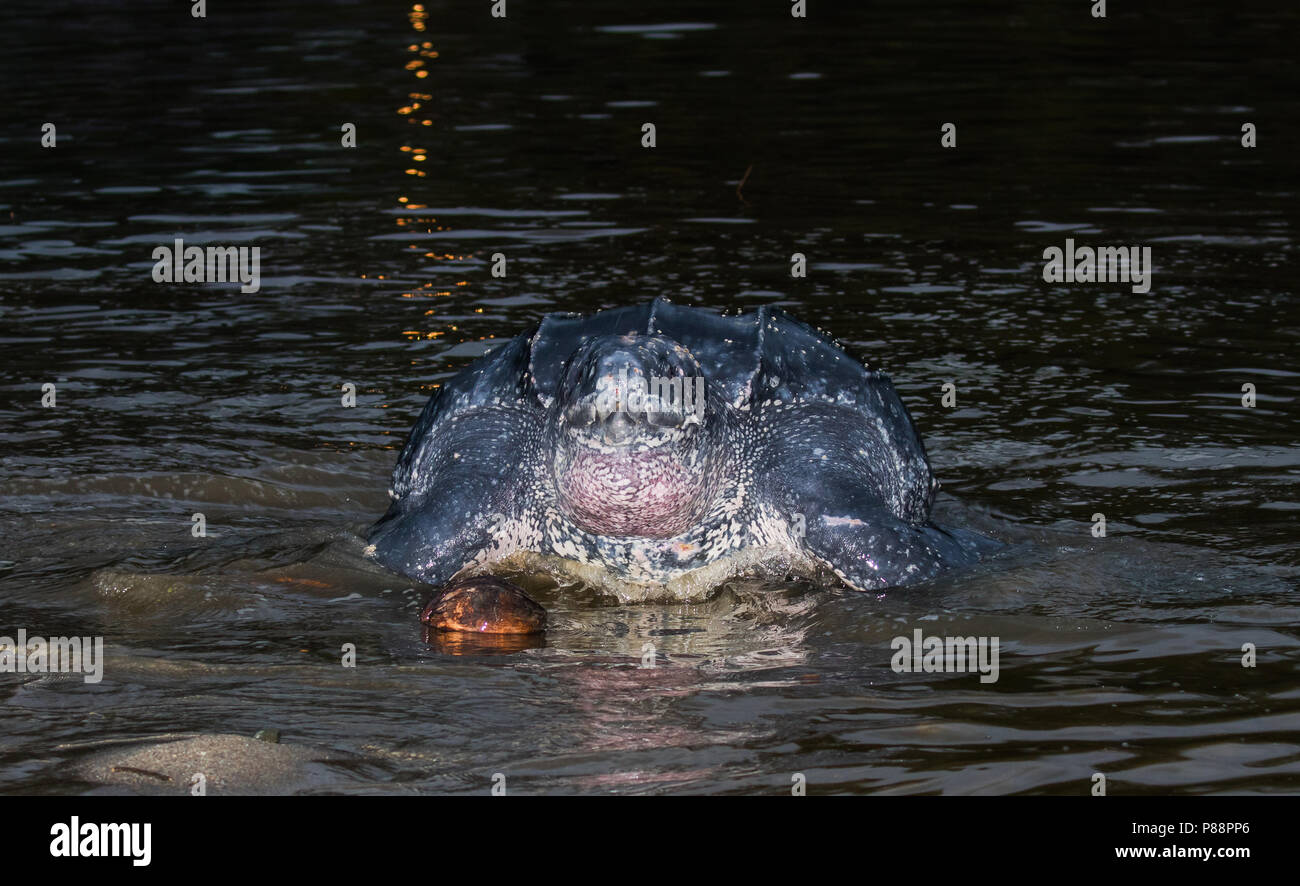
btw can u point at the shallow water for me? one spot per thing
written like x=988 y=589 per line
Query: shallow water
x=1119 y=654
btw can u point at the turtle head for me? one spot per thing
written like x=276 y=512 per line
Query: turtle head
x=632 y=455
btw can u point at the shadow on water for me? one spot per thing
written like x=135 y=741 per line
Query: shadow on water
x=1120 y=654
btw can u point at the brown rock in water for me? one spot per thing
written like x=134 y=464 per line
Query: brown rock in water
x=484 y=605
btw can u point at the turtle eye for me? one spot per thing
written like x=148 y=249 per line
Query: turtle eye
x=581 y=415
x=665 y=418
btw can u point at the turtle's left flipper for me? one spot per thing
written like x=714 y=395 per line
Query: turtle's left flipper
x=872 y=549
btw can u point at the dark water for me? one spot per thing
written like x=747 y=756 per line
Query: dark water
x=1119 y=655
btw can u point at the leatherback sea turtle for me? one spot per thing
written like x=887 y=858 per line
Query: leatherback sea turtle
x=656 y=451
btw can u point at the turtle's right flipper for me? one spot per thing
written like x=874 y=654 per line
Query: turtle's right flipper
x=454 y=500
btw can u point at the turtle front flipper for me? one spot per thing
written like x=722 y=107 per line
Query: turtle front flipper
x=430 y=543
x=869 y=548
x=857 y=498
x=841 y=521
x=458 y=501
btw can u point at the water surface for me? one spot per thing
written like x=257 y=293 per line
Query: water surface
x=1119 y=654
